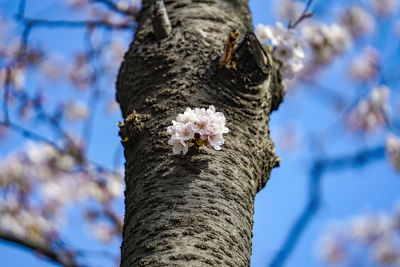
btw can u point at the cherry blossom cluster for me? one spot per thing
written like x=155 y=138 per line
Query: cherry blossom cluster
x=325 y=41
x=28 y=222
x=357 y=21
x=384 y=7
x=393 y=150
x=343 y=243
x=286 y=46
x=365 y=66
x=48 y=181
x=200 y=127
x=371 y=113
x=322 y=42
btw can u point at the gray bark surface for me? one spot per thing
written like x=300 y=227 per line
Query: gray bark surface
x=194 y=209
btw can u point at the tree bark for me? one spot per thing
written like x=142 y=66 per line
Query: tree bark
x=194 y=209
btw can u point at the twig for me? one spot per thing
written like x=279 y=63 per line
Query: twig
x=74 y=23
x=6 y=96
x=29 y=134
x=305 y=14
x=113 y=218
x=21 y=7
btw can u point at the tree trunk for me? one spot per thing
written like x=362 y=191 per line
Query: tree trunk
x=194 y=209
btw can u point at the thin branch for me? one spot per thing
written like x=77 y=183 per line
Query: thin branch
x=53 y=120
x=113 y=218
x=6 y=96
x=23 y=43
x=29 y=134
x=21 y=7
x=59 y=257
x=74 y=23
x=319 y=167
x=305 y=14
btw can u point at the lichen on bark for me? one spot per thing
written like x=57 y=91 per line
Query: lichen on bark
x=194 y=209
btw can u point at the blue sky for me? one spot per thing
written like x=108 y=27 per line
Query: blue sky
x=344 y=192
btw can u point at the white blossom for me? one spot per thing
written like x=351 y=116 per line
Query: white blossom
x=326 y=41
x=396 y=216
x=39 y=153
x=397 y=28
x=216 y=140
x=332 y=247
x=198 y=126
x=77 y=3
x=76 y=110
x=115 y=185
x=393 y=151
x=123 y=5
x=263 y=32
x=59 y=192
x=48 y=181
x=103 y=232
x=357 y=21
x=369 y=228
x=16 y=77
x=384 y=7
x=127 y=5
x=114 y=53
x=365 y=66
x=371 y=112
x=52 y=66
x=25 y=223
x=115 y=19
x=386 y=252
x=286 y=46
x=373 y=233
x=178 y=145
x=185 y=131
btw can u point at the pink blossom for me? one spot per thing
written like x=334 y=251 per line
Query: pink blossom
x=357 y=21
x=198 y=126
x=393 y=150
x=178 y=145
x=286 y=46
x=365 y=66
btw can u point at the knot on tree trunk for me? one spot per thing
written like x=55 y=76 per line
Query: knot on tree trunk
x=249 y=65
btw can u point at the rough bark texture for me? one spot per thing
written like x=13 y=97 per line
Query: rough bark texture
x=194 y=209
